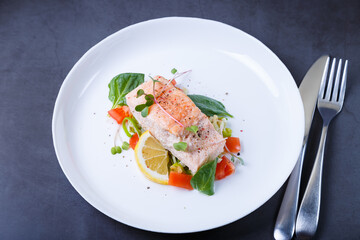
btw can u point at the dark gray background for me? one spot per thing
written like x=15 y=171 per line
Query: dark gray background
x=40 y=41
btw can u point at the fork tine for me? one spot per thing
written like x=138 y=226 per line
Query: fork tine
x=330 y=81
x=323 y=80
x=343 y=83
x=337 y=82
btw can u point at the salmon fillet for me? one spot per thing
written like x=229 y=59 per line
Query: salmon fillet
x=202 y=146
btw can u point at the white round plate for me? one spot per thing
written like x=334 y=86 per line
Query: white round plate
x=227 y=64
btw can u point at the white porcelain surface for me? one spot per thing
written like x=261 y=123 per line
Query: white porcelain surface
x=227 y=64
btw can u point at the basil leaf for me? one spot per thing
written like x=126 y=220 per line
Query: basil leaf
x=140 y=107
x=209 y=106
x=193 y=129
x=180 y=146
x=204 y=178
x=121 y=85
x=145 y=112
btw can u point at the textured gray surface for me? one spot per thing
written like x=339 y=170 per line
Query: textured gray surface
x=40 y=41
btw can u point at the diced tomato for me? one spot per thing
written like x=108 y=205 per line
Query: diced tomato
x=120 y=113
x=233 y=144
x=180 y=180
x=134 y=140
x=173 y=82
x=224 y=168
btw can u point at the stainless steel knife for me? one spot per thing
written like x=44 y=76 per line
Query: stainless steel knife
x=309 y=89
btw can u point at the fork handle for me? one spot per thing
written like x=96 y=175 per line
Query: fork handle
x=308 y=216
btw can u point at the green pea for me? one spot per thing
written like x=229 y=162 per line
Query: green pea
x=125 y=146
x=118 y=149
x=113 y=150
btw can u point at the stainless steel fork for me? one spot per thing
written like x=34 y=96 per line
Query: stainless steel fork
x=330 y=103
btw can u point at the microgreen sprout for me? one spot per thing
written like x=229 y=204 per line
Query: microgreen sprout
x=234 y=157
x=155 y=81
x=180 y=146
x=144 y=108
x=176 y=75
x=140 y=107
x=193 y=129
x=149 y=103
x=145 y=112
x=149 y=97
x=139 y=93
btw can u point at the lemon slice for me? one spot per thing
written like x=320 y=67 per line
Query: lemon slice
x=152 y=158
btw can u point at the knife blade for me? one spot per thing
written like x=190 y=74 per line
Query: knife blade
x=309 y=90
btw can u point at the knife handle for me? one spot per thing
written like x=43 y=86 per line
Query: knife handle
x=285 y=221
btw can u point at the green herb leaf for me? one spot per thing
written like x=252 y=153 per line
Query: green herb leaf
x=204 y=178
x=180 y=146
x=121 y=85
x=173 y=71
x=193 y=129
x=145 y=112
x=209 y=106
x=149 y=103
x=149 y=97
x=140 y=107
x=139 y=93
x=125 y=146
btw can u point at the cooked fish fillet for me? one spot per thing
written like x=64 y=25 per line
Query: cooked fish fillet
x=203 y=146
